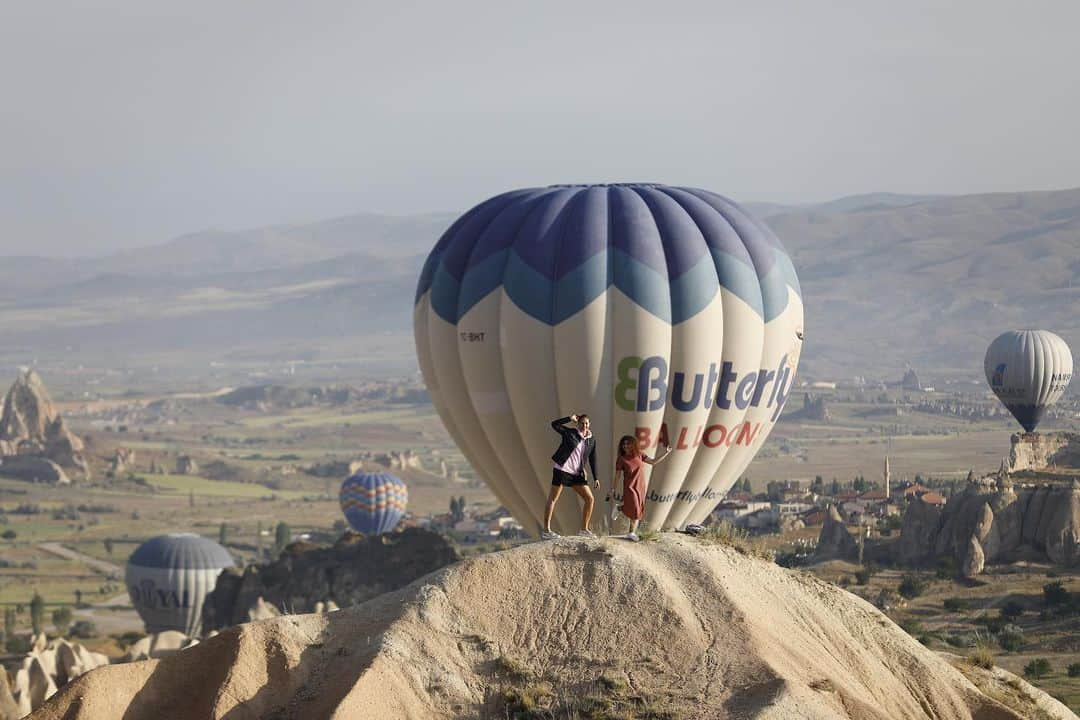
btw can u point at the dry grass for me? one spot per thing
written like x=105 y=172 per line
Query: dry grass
x=724 y=533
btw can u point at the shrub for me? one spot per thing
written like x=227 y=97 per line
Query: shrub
x=1074 y=669
x=911 y=626
x=955 y=604
x=1012 y=610
x=1010 y=640
x=1037 y=668
x=911 y=586
x=962 y=640
x=9 y=535
x=946 y=568
x=17 y=644
x=1055 y=594
x=61 y=619
x=982 y=657
x=84 y=629
x=862 y=577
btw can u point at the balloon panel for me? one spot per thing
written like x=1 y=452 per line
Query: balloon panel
x=1029 y=371
x=373 y=503
x=615 y=301
x=168 y=578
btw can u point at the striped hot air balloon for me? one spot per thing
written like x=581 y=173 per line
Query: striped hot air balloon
x=168 y=578
x=373 y=503
x=1028 y=370
x=667 y=313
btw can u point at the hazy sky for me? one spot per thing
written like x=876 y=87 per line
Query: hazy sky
x=129 y=122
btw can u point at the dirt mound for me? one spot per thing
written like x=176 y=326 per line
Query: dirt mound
x=675 y=628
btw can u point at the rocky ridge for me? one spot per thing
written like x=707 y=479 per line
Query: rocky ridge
x=305 y=577
x=713 y=633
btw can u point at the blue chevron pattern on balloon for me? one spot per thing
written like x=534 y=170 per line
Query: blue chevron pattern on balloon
x=373 y=503
x=556 y=249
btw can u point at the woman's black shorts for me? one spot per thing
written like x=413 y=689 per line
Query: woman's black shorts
x=558 y=477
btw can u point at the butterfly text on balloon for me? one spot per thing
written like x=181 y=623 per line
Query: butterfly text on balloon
x=643 y=385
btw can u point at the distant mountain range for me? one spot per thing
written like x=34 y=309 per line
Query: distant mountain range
x=889 y=280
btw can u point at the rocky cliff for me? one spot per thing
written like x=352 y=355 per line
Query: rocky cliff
x=676 y=628
x=993 y=521
x=355 y=569
x=1044 y=451
x=31 y=426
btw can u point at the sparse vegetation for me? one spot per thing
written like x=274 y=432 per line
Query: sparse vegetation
x=911 y=586
x=724 y=533
x=1037 y=668
x=982 y=657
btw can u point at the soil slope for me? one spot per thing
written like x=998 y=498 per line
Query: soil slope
x=682 y=628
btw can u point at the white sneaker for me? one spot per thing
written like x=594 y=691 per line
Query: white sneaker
x=587 y=533
x=632 y=537
x=549 y=535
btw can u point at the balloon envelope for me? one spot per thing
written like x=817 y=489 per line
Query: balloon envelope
x=373 y=503
x=168 y=578
x=1028 y=370
x=669 y=314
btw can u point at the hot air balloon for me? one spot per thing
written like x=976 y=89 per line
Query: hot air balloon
x=373 y=503
x=168 y=578
x=1028 y=370
x=667 y=313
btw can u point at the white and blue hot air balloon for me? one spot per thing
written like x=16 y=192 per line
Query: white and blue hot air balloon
x=373 y=503
x=667 y=313
x=168 y=578
x=1029 y=371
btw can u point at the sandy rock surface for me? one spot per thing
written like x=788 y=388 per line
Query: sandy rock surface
x=695 y=628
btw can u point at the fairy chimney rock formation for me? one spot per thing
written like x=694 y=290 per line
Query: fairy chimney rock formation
x=31 y=426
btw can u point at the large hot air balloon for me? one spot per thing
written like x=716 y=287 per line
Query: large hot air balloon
x=663 y=312
x=373 y=503
x=168 y=578
x=1028 y=370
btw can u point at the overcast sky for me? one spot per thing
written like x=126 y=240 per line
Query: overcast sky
x=127 y=123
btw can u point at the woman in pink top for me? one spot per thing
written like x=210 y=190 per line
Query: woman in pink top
x=629 y=466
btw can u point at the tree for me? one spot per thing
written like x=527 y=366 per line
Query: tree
x=191 y=499
x=61 y=619
x=1037 y=668
x=109 y=546
x=9 y=622
x=258 y=541
x=78 y=597
x=282 y=537
x=37 y=612
x=835 y=489
x=746 y=485
x=9 y=535
x=461 y=505
x=1074 y=669
x=222 y=534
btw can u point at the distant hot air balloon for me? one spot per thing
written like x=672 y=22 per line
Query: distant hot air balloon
x=667 y=313
x=168 y=578
x=373 y=503
x=1028 y=370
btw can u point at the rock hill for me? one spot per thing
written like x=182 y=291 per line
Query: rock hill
x=355 y=569
x=33 y=432
x=675 y=628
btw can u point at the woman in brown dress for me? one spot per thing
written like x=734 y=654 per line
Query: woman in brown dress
x=629 y=466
